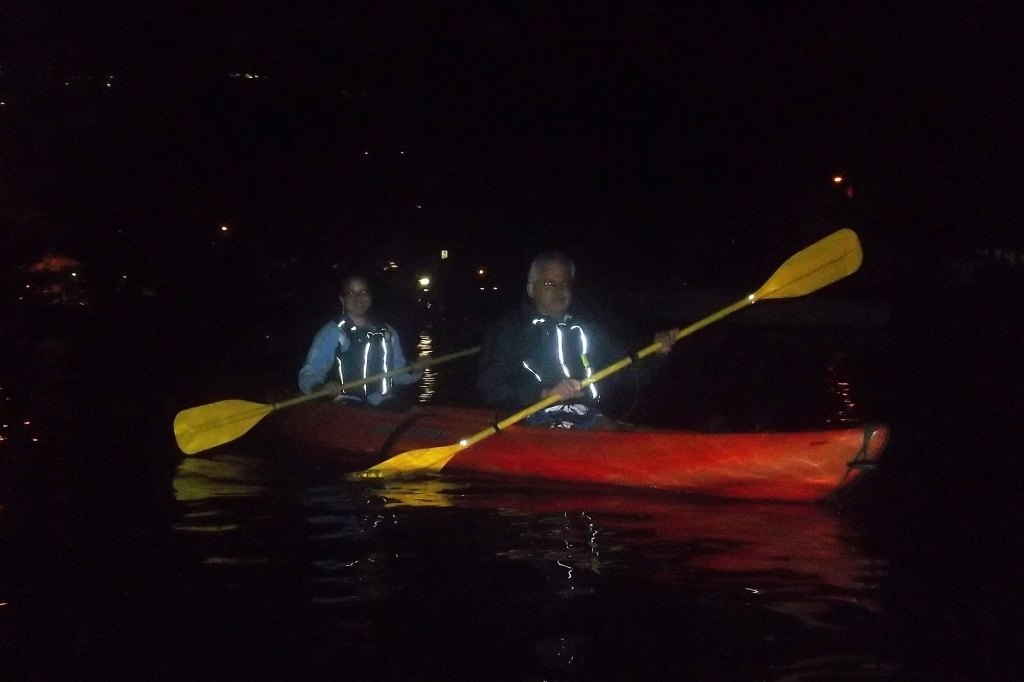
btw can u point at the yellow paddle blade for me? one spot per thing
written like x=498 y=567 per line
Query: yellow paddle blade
x=201 y=428
x=414 y=460
x=822 y=263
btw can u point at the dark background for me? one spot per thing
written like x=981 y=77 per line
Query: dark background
x=671 y=149
x=679 y=151
x=699 y=141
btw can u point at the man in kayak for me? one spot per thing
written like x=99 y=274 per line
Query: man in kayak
x=355 y=346
x=543 y=348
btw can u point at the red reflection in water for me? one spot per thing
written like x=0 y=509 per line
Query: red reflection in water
x=738 y=538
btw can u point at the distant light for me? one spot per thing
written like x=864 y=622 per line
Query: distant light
x=419 y=205
x=223 y=228
x=424 y=281
x=495 y=288
x=481 y=271
x=74 y=274
x=837 y=179
x=366 y=153
x=444 y=254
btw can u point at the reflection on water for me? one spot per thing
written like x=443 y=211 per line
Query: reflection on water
x=563 y=580
x=425 y=348
x=200 y=478
x=843 y=408
x=255 y=568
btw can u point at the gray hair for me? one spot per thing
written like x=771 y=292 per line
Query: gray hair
x=549 y=257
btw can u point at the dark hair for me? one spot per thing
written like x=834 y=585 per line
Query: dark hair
x=351 y=275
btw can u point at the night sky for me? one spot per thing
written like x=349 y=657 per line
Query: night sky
x=625 y=133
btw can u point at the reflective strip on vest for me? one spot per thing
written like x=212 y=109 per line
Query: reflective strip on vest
x=584 y=347
x=366 y=359
x=583 y=358
x=530 y=370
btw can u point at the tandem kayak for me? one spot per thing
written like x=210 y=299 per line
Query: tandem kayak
x=789 y=466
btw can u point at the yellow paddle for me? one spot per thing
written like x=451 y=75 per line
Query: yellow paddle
x=201 y=428
x=820 y=264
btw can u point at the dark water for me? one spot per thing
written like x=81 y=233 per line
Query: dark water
x=121 y=560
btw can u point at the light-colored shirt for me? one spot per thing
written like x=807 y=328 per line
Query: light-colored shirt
x=323 y=354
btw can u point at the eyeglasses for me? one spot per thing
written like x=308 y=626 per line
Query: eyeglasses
x=362 y=293
x=552 y=284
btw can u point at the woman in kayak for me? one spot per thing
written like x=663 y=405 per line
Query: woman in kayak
x=544 y=348
x=355 y=346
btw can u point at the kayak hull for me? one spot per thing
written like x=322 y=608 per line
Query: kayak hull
x=790 y=466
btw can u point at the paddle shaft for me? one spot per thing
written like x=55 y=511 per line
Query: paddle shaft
x=207 y=426
x=334 y=390
x=601 y=374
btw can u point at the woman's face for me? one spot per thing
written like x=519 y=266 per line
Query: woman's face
x=355 y=296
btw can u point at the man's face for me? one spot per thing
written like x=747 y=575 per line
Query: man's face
x=552 y=292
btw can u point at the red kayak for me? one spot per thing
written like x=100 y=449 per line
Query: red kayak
x=791 y=466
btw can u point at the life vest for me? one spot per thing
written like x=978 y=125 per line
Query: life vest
x=361 y=353
x=558 y=350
